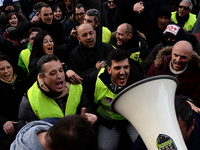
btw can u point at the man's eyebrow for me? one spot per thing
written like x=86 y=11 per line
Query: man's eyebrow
x=52 y=71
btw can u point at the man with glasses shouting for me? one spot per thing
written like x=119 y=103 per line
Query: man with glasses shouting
x=183 y=15
x=68 y=28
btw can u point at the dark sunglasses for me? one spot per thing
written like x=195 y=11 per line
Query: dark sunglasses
x=110 y=2
x=185 y=8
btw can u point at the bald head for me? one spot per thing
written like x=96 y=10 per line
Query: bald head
x=181 y=54
x=83 y=26
x=86 y=35
x=124 y=33
x=126 y=27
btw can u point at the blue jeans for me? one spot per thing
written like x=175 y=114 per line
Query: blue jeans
x=108 y=139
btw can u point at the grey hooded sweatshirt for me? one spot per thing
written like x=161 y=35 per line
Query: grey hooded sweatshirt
x=26 y=138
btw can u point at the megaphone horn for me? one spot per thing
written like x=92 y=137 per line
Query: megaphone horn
x=149 y=106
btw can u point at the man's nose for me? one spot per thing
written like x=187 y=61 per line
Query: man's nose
x=59 y=75
x=122 y=71
x=178 y=59
x=88 y=36
x=6 y=70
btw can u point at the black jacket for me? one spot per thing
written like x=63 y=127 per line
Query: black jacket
x=11 y=96
x=135 y=44
x=82 y=60
x=124 y=13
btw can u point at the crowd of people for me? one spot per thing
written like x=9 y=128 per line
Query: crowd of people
x=60 y=70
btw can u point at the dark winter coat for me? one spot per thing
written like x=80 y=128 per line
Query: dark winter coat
x=189 y=80
x=82 y=60
x=11 y=96
x=135 y=44
x=152 y=56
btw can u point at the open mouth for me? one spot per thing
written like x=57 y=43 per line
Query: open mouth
x=177 y=65
x=122 y=78
x=7 y=76
x=48 y=20
x=60 y=85
x=119 y=42
x=90 y=42
x=14 y=23
x=58 y=16
x=50 y=50
x=181 y=13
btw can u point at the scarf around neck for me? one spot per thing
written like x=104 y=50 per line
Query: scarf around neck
x=49 y=93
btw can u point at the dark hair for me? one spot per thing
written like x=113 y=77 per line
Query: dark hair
x=19 y=17
x=16 y=68
x=8 y=59
x=117 y=55
x=37 y=51
x=34 y=29
x=44 y=59
x=95 y=13
x=54 y=9
x=80 y=5
x=37 y=6
x=184 y=110
x=45 y=5
x=77 y=6
x=71 y=132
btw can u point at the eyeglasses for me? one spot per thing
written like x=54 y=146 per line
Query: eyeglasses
x=81 y=14
x=185 y=8
x=32 y=38
x=110 y=2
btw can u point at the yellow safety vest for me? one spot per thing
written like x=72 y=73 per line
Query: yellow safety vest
x=104 y=96
x=136 y=55
x=25 y=54
x=44 y=106
x=106 y=35
x=189 y=24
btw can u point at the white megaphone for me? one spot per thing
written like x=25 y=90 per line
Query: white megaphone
x=149 y=106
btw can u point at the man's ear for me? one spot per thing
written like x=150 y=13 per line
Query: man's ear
x=192 y=126
x=41 y=77
x=191 y=56
x=130 y=35
x=78 y=38
x=97 y=24
x=108 y=69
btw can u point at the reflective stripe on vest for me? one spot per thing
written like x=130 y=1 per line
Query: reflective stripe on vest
x=25 y=57
x=189 y=24
x=44 y=106
x=104 y=96
x=136 y=55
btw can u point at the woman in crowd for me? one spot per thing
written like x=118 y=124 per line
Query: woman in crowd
x=13 y=84
x=13 y=21
x=58 y=14
x=43 y=44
